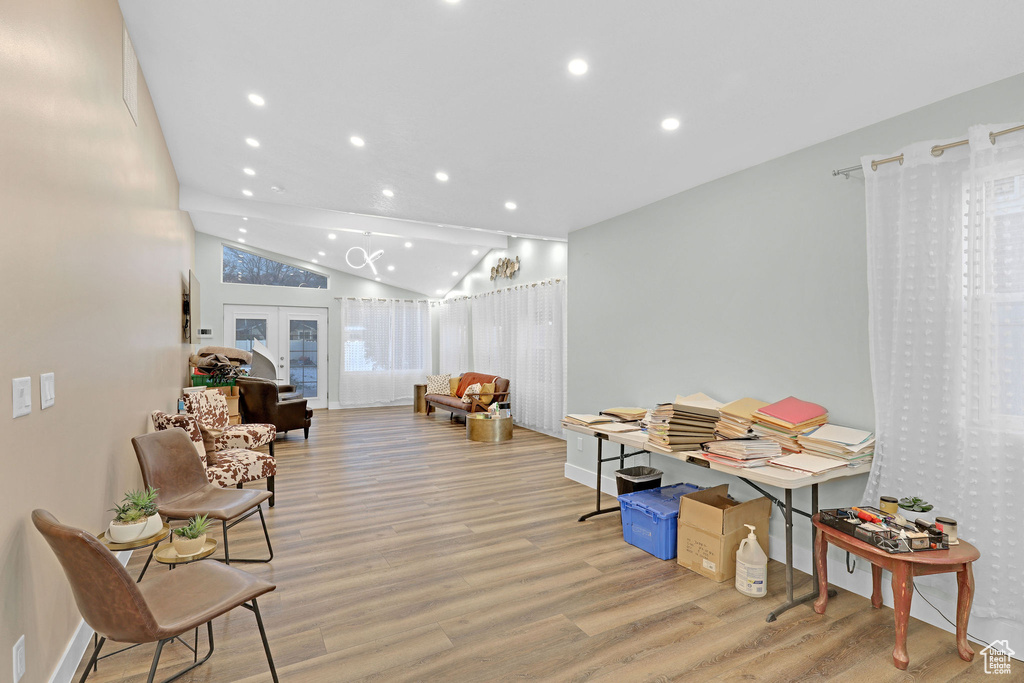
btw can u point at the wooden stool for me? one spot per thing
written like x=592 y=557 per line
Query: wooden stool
x=904 y=567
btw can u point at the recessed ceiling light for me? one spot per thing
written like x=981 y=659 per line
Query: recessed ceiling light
x=242 y=230
x=247 y=193
x=511 y=206
x=476 y=252
x=442 y=176
x=377 y=279
x=257 y=100
x=245 y=218
x=322 y=253
x=241 y=240
x=388 y=193
x=578 y=67
x=332 y=236
x=248 y=171
x=408 y=244
x=391 y=267
x=670 y=124
x=252 y=142
x=314 y=260
x=452 y=2
x=357 y=141
x=455 y=273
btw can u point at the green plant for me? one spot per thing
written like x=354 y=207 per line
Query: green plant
x=915 y=504
x=127 y=514
x=144 y=500
x=195 y=528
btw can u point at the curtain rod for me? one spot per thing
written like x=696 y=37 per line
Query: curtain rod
x=937 y=151
x=355 y=298
x=550 y=281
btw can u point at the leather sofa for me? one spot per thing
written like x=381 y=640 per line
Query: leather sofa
x=457 y=406
x=260 y=401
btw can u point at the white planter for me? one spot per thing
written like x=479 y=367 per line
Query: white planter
x=153 y=526
x=126 y=533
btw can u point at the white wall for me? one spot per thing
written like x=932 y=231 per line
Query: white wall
x=752 y=285
x=216 y=294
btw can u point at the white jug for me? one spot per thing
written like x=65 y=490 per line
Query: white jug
x=751 y=567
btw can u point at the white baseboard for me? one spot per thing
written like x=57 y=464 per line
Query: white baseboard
x=333 y=405
x=859 y=582
x=80 y=642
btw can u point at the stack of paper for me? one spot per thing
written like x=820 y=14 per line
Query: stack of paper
x=737 y=417
x=626 y=414
x=684 y=424
x=785 y=420
x=807 y=464
x=854 y=446
x=742 y=452
x=586 y=420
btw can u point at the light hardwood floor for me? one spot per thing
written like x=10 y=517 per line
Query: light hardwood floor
x=406 y=553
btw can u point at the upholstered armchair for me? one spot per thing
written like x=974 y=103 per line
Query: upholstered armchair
x=225 y=468
x=260 y=402
x=210 y=408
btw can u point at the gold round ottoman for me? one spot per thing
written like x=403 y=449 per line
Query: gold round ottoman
x=485 y=427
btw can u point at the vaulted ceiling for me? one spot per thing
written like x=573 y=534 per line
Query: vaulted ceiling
x=481 y=90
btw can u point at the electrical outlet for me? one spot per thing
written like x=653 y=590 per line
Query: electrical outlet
x=19 y=659
x=579 y=443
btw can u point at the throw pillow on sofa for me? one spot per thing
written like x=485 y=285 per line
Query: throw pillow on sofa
x=470 y=392
x=453 y=385
x=439 y=384
x=487 y=393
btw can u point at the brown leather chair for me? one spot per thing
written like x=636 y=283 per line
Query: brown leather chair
x=169 y=464
x=259 y=402
x=157 y=611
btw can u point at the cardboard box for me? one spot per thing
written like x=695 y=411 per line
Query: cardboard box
x=710 y=529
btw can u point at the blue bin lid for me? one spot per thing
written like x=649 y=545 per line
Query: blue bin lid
x=661 y=502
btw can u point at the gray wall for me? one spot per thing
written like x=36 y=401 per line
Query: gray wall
x=215 y=295
x=751 y=285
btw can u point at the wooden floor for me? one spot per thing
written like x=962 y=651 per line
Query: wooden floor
x=406 y=553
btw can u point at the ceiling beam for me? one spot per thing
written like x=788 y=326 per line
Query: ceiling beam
x=191 y=199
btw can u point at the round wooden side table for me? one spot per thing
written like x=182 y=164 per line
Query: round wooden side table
x=485 y=427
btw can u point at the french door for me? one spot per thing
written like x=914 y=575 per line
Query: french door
x=296 y=337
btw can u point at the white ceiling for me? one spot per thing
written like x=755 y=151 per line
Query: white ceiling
x=480 y=89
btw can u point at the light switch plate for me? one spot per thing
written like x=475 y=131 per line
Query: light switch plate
x=46 y=394
x=22 y=396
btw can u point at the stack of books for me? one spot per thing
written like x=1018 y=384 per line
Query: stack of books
x=586 y=420
x=626 y=414
x=856 y=447
x=785 y=420
x=684 y=424
x=742 y=453
x=806 y=464
x=737 y=418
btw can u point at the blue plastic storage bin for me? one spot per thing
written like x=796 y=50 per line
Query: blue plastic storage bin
x=649 y=518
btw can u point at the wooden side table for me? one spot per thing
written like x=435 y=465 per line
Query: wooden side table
x=485 y=427
x=904 y=567
x=419 y=398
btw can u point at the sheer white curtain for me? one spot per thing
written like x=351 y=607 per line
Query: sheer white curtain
x=946 y=283
x=385 y=350
x=520 y=334
x=453 y=336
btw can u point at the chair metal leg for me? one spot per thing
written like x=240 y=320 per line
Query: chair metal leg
x=266 y=534
x=224 y=528
x=146 y=566
x=160 y=645
x=263 y=635
x=270 y=487
x=91 y=666
x=156 y=660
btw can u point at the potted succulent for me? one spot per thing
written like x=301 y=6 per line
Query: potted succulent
x=146 y=501
x=128 y=524
x=190 y=539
